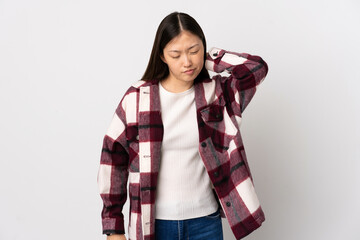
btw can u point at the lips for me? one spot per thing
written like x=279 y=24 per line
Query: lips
x=190 y=71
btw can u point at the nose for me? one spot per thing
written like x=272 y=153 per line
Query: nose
x=187 y=61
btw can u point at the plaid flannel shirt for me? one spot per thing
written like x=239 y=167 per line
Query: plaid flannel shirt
x=132 y=146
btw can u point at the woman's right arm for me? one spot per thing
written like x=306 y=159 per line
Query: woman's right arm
x=113 y=174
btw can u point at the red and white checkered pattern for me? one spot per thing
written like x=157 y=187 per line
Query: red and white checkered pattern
x=132 y=148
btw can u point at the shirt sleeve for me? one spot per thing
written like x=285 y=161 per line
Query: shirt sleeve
x=246 y=73
x=113 y=174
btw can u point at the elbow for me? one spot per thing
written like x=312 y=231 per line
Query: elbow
x=261 y=69
x=265 y=67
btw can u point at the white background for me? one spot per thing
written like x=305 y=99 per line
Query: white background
x=64 y=66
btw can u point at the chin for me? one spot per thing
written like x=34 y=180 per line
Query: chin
x=190 y=79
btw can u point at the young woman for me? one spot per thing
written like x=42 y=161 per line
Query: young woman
x=175 y=136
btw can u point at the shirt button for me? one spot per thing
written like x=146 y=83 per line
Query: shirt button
x=203 y=144
x=137 y=137
x=228 y=204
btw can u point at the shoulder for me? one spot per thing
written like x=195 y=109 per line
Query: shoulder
x=127 y=108
x=135 y=87
x=210 y=89
x=138 y=84
x=216 y=81
x=131 y=95
x=141 y=83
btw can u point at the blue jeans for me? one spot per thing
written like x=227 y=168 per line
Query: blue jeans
x=208 y=227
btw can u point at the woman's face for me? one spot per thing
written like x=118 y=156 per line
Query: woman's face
x=184 y=56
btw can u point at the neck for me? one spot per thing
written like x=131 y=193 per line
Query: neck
x=175 y=86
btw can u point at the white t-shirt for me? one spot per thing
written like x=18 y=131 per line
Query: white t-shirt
x=184 y=188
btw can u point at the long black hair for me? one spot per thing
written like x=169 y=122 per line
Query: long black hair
x=170 y=27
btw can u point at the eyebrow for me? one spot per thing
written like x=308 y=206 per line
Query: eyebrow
x=188 y=48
